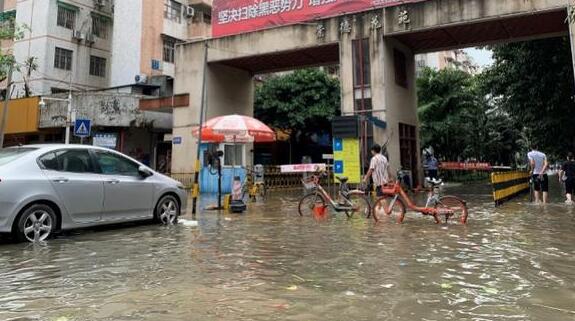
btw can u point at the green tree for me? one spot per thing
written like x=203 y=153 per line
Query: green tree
x=303 y=101
x=533 y=82
x=460 y=121
x=450 y=113
x=9 y=30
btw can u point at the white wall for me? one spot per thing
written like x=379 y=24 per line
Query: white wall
x=127 y=42
x=45 y=35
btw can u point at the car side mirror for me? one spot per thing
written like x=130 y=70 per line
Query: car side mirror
x=145 y=172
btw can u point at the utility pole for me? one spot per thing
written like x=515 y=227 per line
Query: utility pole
x=196 y=188
x=69 y=111
x=6 y=101
x=68 y=117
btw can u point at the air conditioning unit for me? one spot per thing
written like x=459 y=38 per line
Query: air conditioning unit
x=141 y=79
x=190 y=12
x=90 y=38
x=77 y=35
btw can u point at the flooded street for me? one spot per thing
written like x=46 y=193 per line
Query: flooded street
x=516 y=262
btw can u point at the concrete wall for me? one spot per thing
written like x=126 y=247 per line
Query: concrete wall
x=127 y=47
x=105 y=110
x=229 y=91
x=438 y=13
x=400 y=102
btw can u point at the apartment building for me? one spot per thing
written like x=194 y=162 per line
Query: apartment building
x=457 y=59
x=94 y=44
x=145 y=39
x=69 y=40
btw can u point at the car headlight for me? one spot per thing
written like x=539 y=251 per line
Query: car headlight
x=181 y=186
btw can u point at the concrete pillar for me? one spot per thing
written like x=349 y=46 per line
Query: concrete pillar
x=190 y=70
x=400 y=102
x=229 y=91
x=346 y=75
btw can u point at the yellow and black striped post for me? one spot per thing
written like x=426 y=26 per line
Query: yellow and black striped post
x=196 y=188
x=507 y=185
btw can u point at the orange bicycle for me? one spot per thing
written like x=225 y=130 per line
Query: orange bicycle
x=446 y=209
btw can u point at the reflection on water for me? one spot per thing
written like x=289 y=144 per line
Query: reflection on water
x=516 y=262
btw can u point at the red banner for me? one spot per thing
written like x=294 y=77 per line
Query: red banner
x=239 y=16
x=465 y=166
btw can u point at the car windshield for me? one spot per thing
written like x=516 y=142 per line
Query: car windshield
x=8 y=155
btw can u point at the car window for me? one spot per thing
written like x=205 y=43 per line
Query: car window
x=112 y=164
x=8 y=155
x=49 y=161
x=72 y=160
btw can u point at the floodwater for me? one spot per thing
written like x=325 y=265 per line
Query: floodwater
x=516 y=262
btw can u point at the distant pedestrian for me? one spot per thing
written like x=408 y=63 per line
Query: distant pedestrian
x=567 y=176
x=431 y=166
x=539 y=165
x=378 y=170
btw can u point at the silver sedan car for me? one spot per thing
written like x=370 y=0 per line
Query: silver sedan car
x=49 y=188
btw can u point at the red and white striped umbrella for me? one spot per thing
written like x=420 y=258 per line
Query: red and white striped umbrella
x=236 y=128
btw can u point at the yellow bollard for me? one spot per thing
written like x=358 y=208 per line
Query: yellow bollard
x=227 y=201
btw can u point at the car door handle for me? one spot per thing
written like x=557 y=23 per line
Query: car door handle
x=113 y=181
x=61 y=180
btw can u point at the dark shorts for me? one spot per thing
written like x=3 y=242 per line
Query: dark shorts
x=570 y=185
x=541 y=184
x=379 y=191
x=432 y=173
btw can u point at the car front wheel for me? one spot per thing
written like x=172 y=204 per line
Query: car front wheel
x=168 y=210
x=36 y=224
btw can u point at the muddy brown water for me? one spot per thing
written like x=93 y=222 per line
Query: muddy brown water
x=516 y=262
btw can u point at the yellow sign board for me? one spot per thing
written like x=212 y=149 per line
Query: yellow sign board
x=347 y=161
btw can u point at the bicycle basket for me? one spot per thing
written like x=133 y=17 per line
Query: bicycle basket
x=309 y=183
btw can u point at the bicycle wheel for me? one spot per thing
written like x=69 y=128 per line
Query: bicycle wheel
x=308 y=203
x=451 y=210
x=360 y=204
x=383 y=209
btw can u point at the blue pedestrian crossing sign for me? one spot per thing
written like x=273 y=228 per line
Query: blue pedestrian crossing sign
x=82 y=127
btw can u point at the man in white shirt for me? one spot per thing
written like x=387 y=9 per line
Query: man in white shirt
x=539 y=165
x=378 y=170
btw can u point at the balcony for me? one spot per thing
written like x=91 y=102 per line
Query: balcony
x=200 y=3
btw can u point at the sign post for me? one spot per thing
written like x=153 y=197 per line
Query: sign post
x=82 y=129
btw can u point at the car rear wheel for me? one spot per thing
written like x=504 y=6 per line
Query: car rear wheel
x=168 y=210
x=36 y=224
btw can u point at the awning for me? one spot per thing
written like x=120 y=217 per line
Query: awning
x=67 y=5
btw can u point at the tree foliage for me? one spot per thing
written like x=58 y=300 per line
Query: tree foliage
x=9 y=30
x=533 y=81
x=460 y=122
x=305 y=100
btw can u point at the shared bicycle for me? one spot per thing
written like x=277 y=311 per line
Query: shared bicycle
x=317 y=201
x=444 y=209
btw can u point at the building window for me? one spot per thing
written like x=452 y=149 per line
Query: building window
x=56 y=90
x=234 y=155
x=169 y=49
x=100 y=26
x=66 y=17
x=97 y=66
x=173 y=10
x=63 y=59
x=361 y=63
x=400 y=63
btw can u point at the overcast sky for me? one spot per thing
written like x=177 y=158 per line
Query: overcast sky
x=481 y=57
